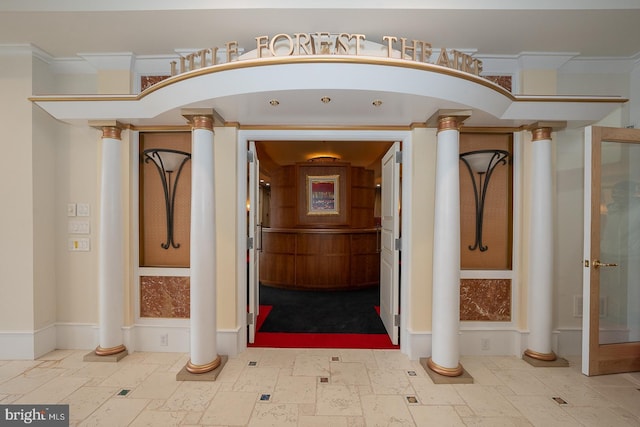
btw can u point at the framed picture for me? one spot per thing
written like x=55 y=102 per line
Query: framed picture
x=323 y=195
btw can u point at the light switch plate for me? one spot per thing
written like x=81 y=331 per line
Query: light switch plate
x=82 y=244
x=71 y=209
x=79 y=227
x=83 y=209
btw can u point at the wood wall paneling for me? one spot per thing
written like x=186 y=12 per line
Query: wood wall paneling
x=497 y=224
x=153 y=220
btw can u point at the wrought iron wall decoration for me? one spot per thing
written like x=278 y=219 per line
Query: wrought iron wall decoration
x=481 y=163
x=167 y=162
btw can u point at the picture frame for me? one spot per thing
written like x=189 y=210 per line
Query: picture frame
x=323 y=195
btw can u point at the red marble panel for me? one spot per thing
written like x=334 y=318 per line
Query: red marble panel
x=485 y=300
x=148 y=81
x=504 y=81
x=167 y=297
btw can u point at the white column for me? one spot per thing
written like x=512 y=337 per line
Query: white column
x=540 y=248
x=111 y=259
x=445 y=341
x=204 y=356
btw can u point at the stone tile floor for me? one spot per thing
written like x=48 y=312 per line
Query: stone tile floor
x=347 y=388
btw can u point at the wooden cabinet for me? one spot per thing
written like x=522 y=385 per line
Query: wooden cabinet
x=326 y=259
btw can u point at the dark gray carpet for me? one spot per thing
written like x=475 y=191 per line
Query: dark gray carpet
x=333 y=312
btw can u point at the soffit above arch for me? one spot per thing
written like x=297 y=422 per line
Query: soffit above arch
x=327 y=90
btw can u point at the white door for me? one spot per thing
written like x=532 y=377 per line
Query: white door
x=254 y=240
x=389 y=235
x=611 y=279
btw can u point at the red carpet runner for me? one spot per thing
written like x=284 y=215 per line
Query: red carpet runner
x=316 y=340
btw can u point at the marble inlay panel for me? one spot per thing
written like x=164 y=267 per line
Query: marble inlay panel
x=504 y=81
x=485 y=300
x=148 y=81
x=164 y=296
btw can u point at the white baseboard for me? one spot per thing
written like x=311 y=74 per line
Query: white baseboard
x=496 y=342
x=45 y=340
x=152 y=338
x=19 y=345
x=175 y=338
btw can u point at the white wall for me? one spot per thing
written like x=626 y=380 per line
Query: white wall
x=44 y=213
x=634 y=94
x=16 y=193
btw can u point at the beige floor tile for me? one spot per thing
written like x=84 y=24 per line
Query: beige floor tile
x=115 y=412
x=486 y=401
x=600 y=417
x=85 y=400
x=291 y=389
x=28 y=381
x=231 y=371
x=496 y=422
x=481 y=373
x=382 y=411
x=392 y=359
x=507 y=362
x=257 y=379
x=312 y=365
x=355 y=422
x=626 y=397
x=429 y=393
x=364 y=388
x=232 y=408
x=337 y=399
x=53 y=391
x=349 y=373
x=277 y=358
x=95 y=370
x=158 y=385
x=191 y=396
x=543 y=411
x=13 y=368
x=128 y=375
x=523 y=383
x=274 y=415
x=321 y=421
x=192 y=418
x=441 y=416
x=390 y=381
x=158 y=418
x=363 y=356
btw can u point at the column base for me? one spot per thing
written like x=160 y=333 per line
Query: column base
x=201 y=369
x=546 y=357
x=211 y=375
x=558 y=362
x=113 y=354
x=462 y=378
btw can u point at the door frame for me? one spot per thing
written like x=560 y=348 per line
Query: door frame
x=599 y=359
x=244 y=136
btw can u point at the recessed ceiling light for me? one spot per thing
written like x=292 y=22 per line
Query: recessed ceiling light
x=325 y=99
x=377 y=103
x=274 y=102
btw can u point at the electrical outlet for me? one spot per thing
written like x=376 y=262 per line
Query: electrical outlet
x=485 y=344
x=164 y=340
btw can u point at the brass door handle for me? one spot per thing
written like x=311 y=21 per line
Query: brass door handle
x=597 y=264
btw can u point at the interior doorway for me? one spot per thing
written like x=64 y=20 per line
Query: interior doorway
x=309 y=310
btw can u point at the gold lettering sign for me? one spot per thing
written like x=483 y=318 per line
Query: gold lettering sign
x=324 y=43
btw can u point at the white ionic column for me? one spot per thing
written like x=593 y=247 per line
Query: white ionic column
x=445 y=342
x=204 y=356
x=111 y=259
x=540 y=248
